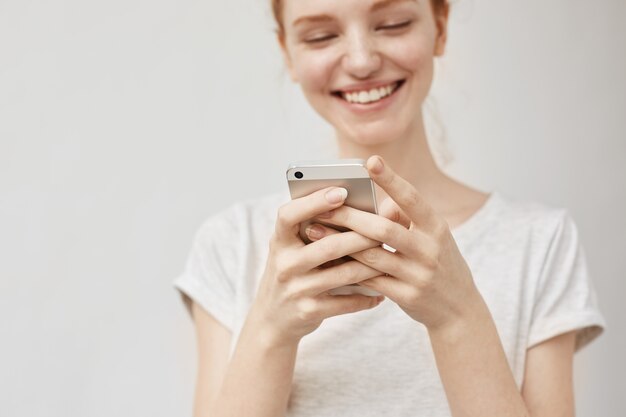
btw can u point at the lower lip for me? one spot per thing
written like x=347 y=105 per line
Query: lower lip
x=371 y=107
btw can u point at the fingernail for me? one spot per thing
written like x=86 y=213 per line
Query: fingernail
x=314 y=232
x=336 y=195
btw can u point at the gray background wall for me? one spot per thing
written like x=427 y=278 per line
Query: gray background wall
x=124 y=123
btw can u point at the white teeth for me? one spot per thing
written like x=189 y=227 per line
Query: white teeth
x=375 y=94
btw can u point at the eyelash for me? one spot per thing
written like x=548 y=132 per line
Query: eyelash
x=397 y=25
x=387 y=27
x=320 y=39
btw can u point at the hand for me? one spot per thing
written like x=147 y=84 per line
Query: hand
x=292 y=299
x=427 y=276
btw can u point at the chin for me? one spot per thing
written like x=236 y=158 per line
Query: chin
x=372 y=134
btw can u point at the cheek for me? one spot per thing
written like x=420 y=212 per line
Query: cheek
x=314 y=70
x=414 y=55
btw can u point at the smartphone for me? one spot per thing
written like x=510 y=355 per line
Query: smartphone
x=306 y=177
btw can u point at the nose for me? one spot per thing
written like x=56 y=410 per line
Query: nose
x=361 y=59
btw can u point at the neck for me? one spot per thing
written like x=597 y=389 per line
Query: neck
x=409 y=156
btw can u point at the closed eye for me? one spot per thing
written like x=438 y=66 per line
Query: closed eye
x=396 y=26
x=320 y=39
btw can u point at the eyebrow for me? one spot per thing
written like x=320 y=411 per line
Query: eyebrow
x=325 y=18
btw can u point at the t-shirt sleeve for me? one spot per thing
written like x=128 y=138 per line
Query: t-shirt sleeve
x=566 y=299
x=211 y=269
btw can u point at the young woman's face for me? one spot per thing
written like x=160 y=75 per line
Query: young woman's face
x=365 y=65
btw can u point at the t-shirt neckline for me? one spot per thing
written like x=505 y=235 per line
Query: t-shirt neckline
x=470 y=225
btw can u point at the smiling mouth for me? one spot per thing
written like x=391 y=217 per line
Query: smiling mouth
x=369 y=96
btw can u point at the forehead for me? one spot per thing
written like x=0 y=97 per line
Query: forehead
x=293 y=9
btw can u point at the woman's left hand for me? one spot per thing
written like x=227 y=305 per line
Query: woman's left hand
x=427 y=276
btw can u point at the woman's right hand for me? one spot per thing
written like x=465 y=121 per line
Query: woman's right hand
x=292 y=299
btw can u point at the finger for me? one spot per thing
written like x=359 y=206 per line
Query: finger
x=335 y=245
x=381 y=229
x=335 y=305
x=316 y=231
x=403 y=193
x=296 y=211
x=323 y=280
x=384 y=261
x=389 y=209
x=335 y=262
x=396 y=290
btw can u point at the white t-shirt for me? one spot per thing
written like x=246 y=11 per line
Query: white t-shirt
x=525 y=257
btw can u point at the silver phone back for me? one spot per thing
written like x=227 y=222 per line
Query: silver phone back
x=350 y=174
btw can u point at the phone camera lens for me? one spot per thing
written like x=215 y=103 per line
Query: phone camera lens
x=298 y=175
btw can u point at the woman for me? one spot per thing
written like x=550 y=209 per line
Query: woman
x=486 y=299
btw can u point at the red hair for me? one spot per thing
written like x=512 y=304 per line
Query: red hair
x=438 y=7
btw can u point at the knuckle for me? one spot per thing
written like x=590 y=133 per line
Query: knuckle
x=430 y=263
x=292 y=292
x=282 y=276
x=280 y=213
x=307 y=309
x=427 y=286
x=432 y=255
x=285 y=266
x=412 y=296
x=283 y=215
x=431 y=260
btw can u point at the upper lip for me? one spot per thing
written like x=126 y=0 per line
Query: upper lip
x=365 y=86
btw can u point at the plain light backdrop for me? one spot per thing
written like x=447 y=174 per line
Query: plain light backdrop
x=125 y=123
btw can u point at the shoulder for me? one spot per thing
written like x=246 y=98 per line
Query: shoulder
x=545 y=237
x=510 y=228
x=243 y=219
x=229 y=240
x=530 y=218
